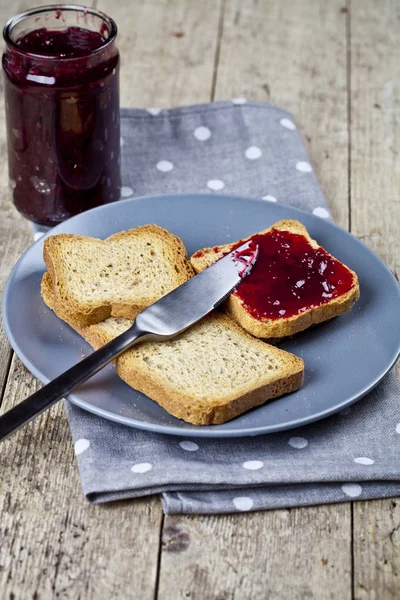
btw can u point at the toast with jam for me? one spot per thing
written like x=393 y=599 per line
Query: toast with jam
x=294 y=284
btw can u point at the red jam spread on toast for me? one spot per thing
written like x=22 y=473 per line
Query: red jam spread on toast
x=245 y=258
x=290 y=276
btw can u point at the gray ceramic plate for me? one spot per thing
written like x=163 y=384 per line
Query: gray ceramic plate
x=344 y=358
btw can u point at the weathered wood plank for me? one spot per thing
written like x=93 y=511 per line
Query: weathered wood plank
x=15 y=234
x=294 y=54
x=53 y=543
x=291 y=554
x=268 y=52
x=377 y=550
x=375 y=218
x=375 y=122
x=167 y=49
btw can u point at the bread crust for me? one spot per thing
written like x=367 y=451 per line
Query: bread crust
x=211 y=411
x=82 y=313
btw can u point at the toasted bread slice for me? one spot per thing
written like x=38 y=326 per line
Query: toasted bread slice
x=94 y=279
x=211 y=373
x=263 y=325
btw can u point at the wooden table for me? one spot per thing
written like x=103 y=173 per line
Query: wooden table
x=336 y=66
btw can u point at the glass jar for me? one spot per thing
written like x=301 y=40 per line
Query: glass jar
x=61 y=84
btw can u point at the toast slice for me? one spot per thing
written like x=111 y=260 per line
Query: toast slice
x=209 y=374
x=294 y=284
x=94 y=279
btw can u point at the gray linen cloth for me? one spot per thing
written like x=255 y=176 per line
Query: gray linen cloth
x=252 y=149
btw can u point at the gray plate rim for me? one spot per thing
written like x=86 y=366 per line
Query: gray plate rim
x=199 y=431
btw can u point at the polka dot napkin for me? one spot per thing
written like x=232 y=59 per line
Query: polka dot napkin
x=255 y=150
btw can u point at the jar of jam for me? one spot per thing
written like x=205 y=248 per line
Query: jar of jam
x=61 y=68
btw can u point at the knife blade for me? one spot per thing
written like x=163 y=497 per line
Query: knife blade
x=163 y=320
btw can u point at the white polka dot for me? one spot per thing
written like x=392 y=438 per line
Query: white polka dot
x=363 y=460
x=121 y=141
x=269 y=198
x=298 y=442
x=81 y=445
x=37 y=235
x=243 y=503
x=141 y=468
x=202 y=133
x=253 y=153
x=215 y=184
x=239 y=100
x=287 y=123
x=321 y=212
x=126 y=191
x=303 y=166
x=398 y=428
x=164 y=166
x=352 y=489
x=345 y=412
x=253 y=465
x=154 y=111
x=189 y=446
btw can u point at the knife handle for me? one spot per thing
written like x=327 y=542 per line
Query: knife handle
x=48 y=395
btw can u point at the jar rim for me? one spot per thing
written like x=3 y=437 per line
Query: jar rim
x=62 y=7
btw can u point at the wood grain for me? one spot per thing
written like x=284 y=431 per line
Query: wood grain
x=15 y=234
x=291 y=554
x=375 y=218
x=167 y=50
x=377 y=550
x=294 y=54
x=53 y=543
x=268 y=52
x=375 y=123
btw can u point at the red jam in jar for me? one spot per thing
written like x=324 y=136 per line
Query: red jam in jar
x=61 y=69
x=290 y=276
